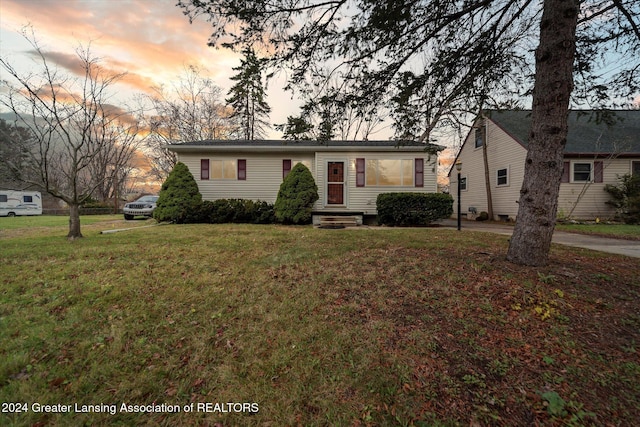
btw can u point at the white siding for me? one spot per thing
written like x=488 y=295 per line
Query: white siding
x=363 y=199
x=264 y=175
x=588 y=201
x=502 y=152
x=576 y=200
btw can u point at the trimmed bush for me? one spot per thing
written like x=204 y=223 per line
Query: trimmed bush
x=413 y=209
x=238 y=211
x=180 y=200
x=298 y=192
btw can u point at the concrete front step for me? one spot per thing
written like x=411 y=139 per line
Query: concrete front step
x=339 y=221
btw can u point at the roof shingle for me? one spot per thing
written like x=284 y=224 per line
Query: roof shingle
x=587 y=134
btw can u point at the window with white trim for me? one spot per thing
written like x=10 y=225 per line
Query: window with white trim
x=479 y=137
x=502 y=177
x=463 y=183
x=582 y=172
x=390 y=172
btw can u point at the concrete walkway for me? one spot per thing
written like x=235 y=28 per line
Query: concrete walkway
x=604 y=244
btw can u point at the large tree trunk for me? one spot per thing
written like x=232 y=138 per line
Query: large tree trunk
x=74 y=222
x=531 y=239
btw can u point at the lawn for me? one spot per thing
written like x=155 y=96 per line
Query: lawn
x=266 y=325
x=620 y=231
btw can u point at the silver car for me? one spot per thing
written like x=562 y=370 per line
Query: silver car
x=144 y=206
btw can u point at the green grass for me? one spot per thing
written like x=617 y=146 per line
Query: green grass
x=21 y=222
x=316 y=327
x=625 y=231
x=21 y=226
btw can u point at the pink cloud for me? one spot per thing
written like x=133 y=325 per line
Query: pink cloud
x=150 y=40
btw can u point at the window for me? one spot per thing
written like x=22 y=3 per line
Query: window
x=479 y=137
x=463 y=183
x=503 y=177
x=581 y=172
x=635 y=168
x=222 y=169
x=389 y=172
x=204 y=169
x=3 y=198
x=27 y=199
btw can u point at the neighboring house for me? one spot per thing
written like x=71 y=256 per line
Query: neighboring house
x=349 y=174
x=595 y=155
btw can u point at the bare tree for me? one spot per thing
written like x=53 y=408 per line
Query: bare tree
x=191 y=109
x=72 y=126
x=113 y=165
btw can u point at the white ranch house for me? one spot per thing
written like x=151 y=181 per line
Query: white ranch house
x=595 y=155
x=349 y=174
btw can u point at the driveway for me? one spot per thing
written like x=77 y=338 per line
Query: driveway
x=604 y=244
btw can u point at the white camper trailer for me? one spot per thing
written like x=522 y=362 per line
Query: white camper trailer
x=16 y=203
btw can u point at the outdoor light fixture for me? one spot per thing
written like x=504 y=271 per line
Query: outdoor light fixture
x=459 y=168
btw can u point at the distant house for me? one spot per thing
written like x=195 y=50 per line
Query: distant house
x=595 y=155
x=349 y=174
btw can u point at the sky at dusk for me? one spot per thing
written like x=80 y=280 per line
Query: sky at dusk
x=149 y=39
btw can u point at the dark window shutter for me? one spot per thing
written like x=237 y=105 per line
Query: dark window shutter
x=242 y=169
x=598 y=171
x=360 y=168
x=566 y=171
x=419 y=173
x=204 y=169
x=286 y=167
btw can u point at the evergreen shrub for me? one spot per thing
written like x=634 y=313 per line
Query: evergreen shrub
x=413 y=209
x=298 y=192
x=625 y=197
x=179 y=200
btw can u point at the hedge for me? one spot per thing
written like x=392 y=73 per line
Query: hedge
x=413 y=209
x=235 y=211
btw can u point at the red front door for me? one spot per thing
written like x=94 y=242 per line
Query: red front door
x=335 y=183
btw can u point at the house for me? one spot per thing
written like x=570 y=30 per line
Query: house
x=349 y=174
x=595 y=155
